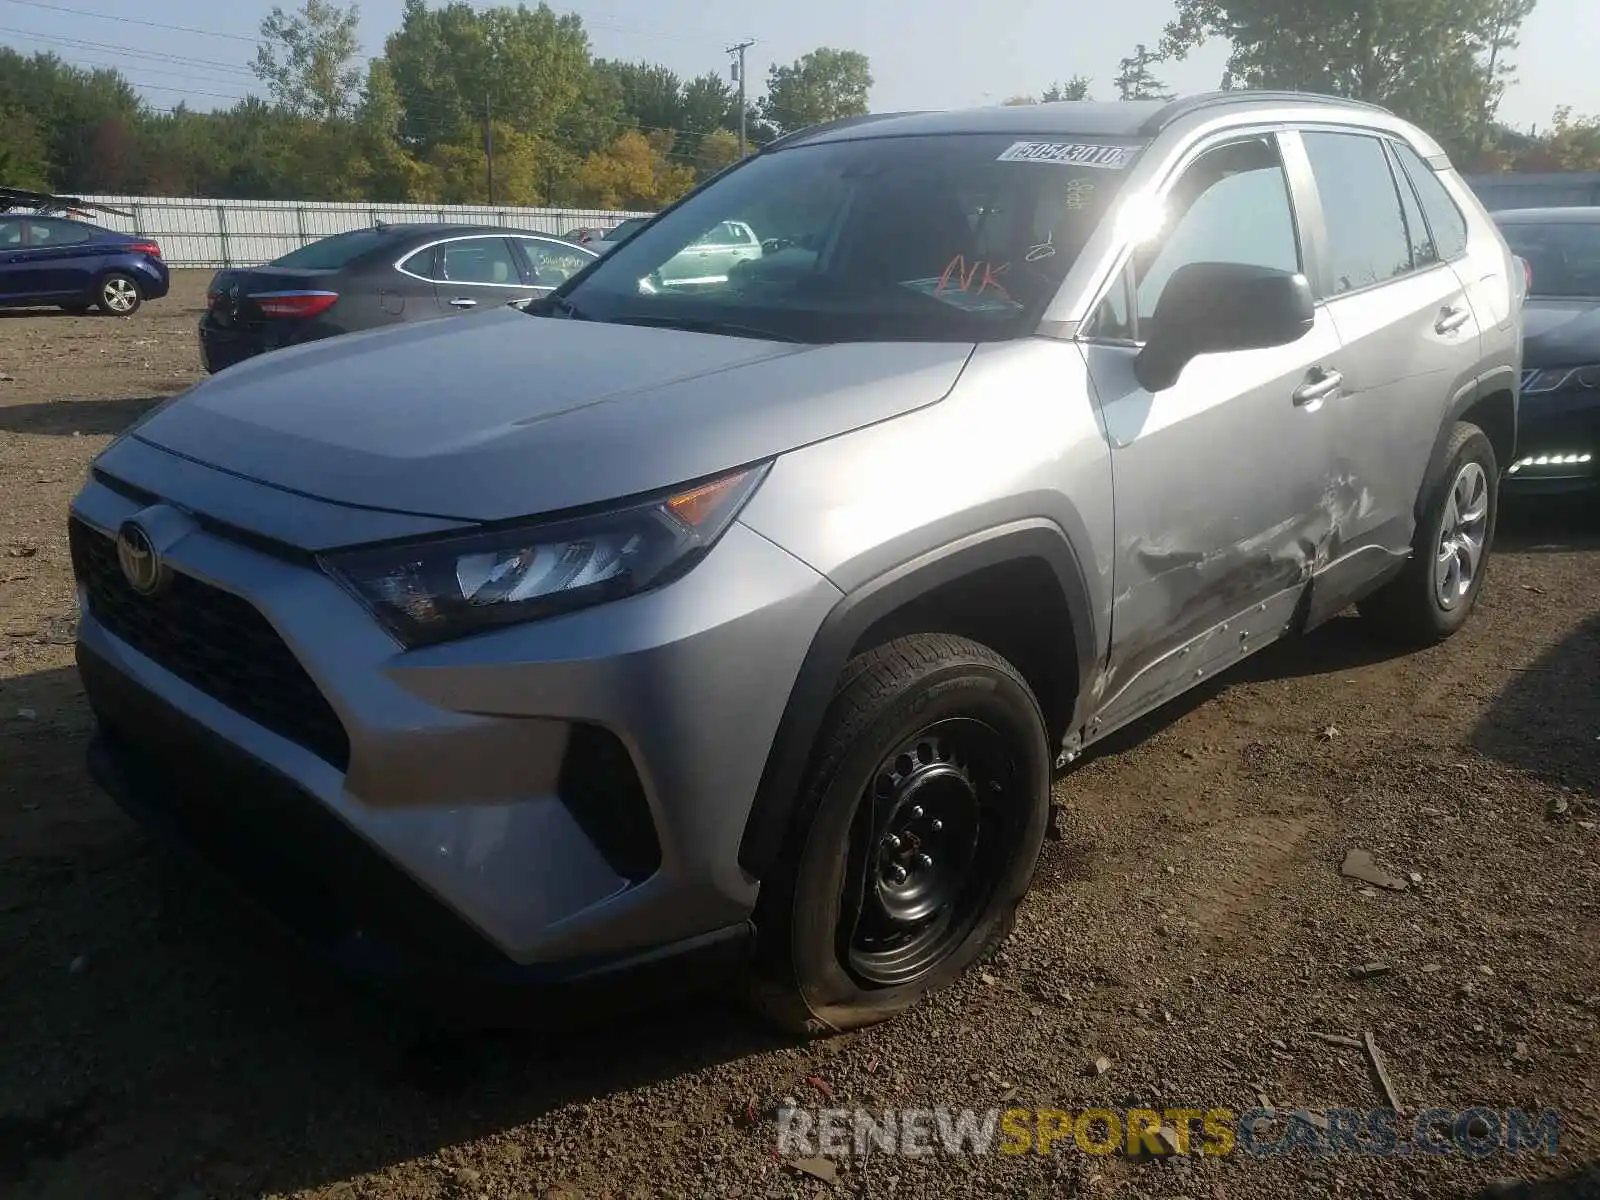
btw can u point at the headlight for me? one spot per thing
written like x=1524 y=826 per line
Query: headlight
x=433 y=591
x=1560 y=377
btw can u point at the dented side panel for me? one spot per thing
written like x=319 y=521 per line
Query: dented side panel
x=1225 y=501
x=1403 y=362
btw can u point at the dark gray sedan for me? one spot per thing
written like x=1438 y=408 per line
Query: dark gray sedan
x=383 y=275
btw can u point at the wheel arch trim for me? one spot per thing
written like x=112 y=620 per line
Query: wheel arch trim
x=1500 y=380
x=855 y=613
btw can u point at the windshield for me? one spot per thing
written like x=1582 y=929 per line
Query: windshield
x=334 y=252
x=1564 y=257
x=933 y=238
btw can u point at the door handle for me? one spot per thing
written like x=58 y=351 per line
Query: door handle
x=1451 y=319
x=1320 y=387
x=463 y=302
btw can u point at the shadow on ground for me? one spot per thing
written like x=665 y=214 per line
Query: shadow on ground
x=1543 y=721
x=1581 y=1183
x=157 y=1028
x=1553 y=524
x=63 y=418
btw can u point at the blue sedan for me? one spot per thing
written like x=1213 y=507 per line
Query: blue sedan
x=77 y=266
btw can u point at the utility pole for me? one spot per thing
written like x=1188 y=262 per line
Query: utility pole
x=738 y=74
x=488 y=145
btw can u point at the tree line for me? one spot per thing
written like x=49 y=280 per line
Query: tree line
x=468 y=104
x=462 y=99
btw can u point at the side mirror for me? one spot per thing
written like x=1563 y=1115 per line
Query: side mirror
x=1212 y=308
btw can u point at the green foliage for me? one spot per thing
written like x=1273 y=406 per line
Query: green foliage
x=823 y=86
x=307 y=60
x=1134 y=79
x=1440 y=63
x=23 y=159
x=1076 y=88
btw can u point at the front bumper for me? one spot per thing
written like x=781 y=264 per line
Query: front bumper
x=503 y=779
x=1558 y=444
x=313 y=876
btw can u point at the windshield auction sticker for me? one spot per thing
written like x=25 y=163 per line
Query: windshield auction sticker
x=1073 y=154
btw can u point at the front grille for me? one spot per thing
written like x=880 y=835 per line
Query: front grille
x=214 y=641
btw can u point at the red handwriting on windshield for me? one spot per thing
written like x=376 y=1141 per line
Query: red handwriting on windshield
x=960 y=277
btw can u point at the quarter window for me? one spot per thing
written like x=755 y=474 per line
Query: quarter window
x=1448 y=225
x=421 y=264
x=1366 y=227
x=1417 y=235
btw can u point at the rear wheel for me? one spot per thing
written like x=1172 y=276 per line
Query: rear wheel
x=119 y=295
x=914 y=839
x=1434 y=595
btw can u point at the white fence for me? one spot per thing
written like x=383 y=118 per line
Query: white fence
x=226 y=233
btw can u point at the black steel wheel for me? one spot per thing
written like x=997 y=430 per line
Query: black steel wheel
x=933 y=827
x=913 y=840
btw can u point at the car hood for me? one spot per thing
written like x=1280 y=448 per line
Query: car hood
x=1560 y=333
x=501 y=414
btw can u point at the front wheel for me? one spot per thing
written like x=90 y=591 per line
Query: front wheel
x=119 y=296
x=914 y=838
x=1435 y=593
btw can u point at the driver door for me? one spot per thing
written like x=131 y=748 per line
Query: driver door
x=1221 y=482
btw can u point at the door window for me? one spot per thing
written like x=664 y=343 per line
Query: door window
x=10 y=235
x=1367 y=243
x=1448 y=226
x=1232 y=205
x=553 y=263
x=44 y=232
x=479 y=260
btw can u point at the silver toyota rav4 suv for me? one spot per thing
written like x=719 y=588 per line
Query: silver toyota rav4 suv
x=641 y=636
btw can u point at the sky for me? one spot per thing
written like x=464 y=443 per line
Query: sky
x=934 y=54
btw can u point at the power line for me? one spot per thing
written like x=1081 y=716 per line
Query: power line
x=128 y=51
x=83 y=12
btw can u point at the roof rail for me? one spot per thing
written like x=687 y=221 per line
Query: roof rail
x=800 y=135
x=1185 y=105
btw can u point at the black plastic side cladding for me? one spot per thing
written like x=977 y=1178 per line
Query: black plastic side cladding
x=854 y=615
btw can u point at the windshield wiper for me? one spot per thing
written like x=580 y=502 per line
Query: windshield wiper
x=707 y=325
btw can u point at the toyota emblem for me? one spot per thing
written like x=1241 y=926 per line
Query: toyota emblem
x=141 y=565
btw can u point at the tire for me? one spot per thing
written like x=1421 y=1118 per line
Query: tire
x=118 y=295
x=929 y=722
x=1435 y=593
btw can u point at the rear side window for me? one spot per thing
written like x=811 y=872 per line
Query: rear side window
x=332 y=253
x=1423 y=253
x=1366 y=241
x=479 y=260
x=1448 y=225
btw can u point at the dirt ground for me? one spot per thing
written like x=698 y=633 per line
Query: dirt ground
x=1191 y=926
